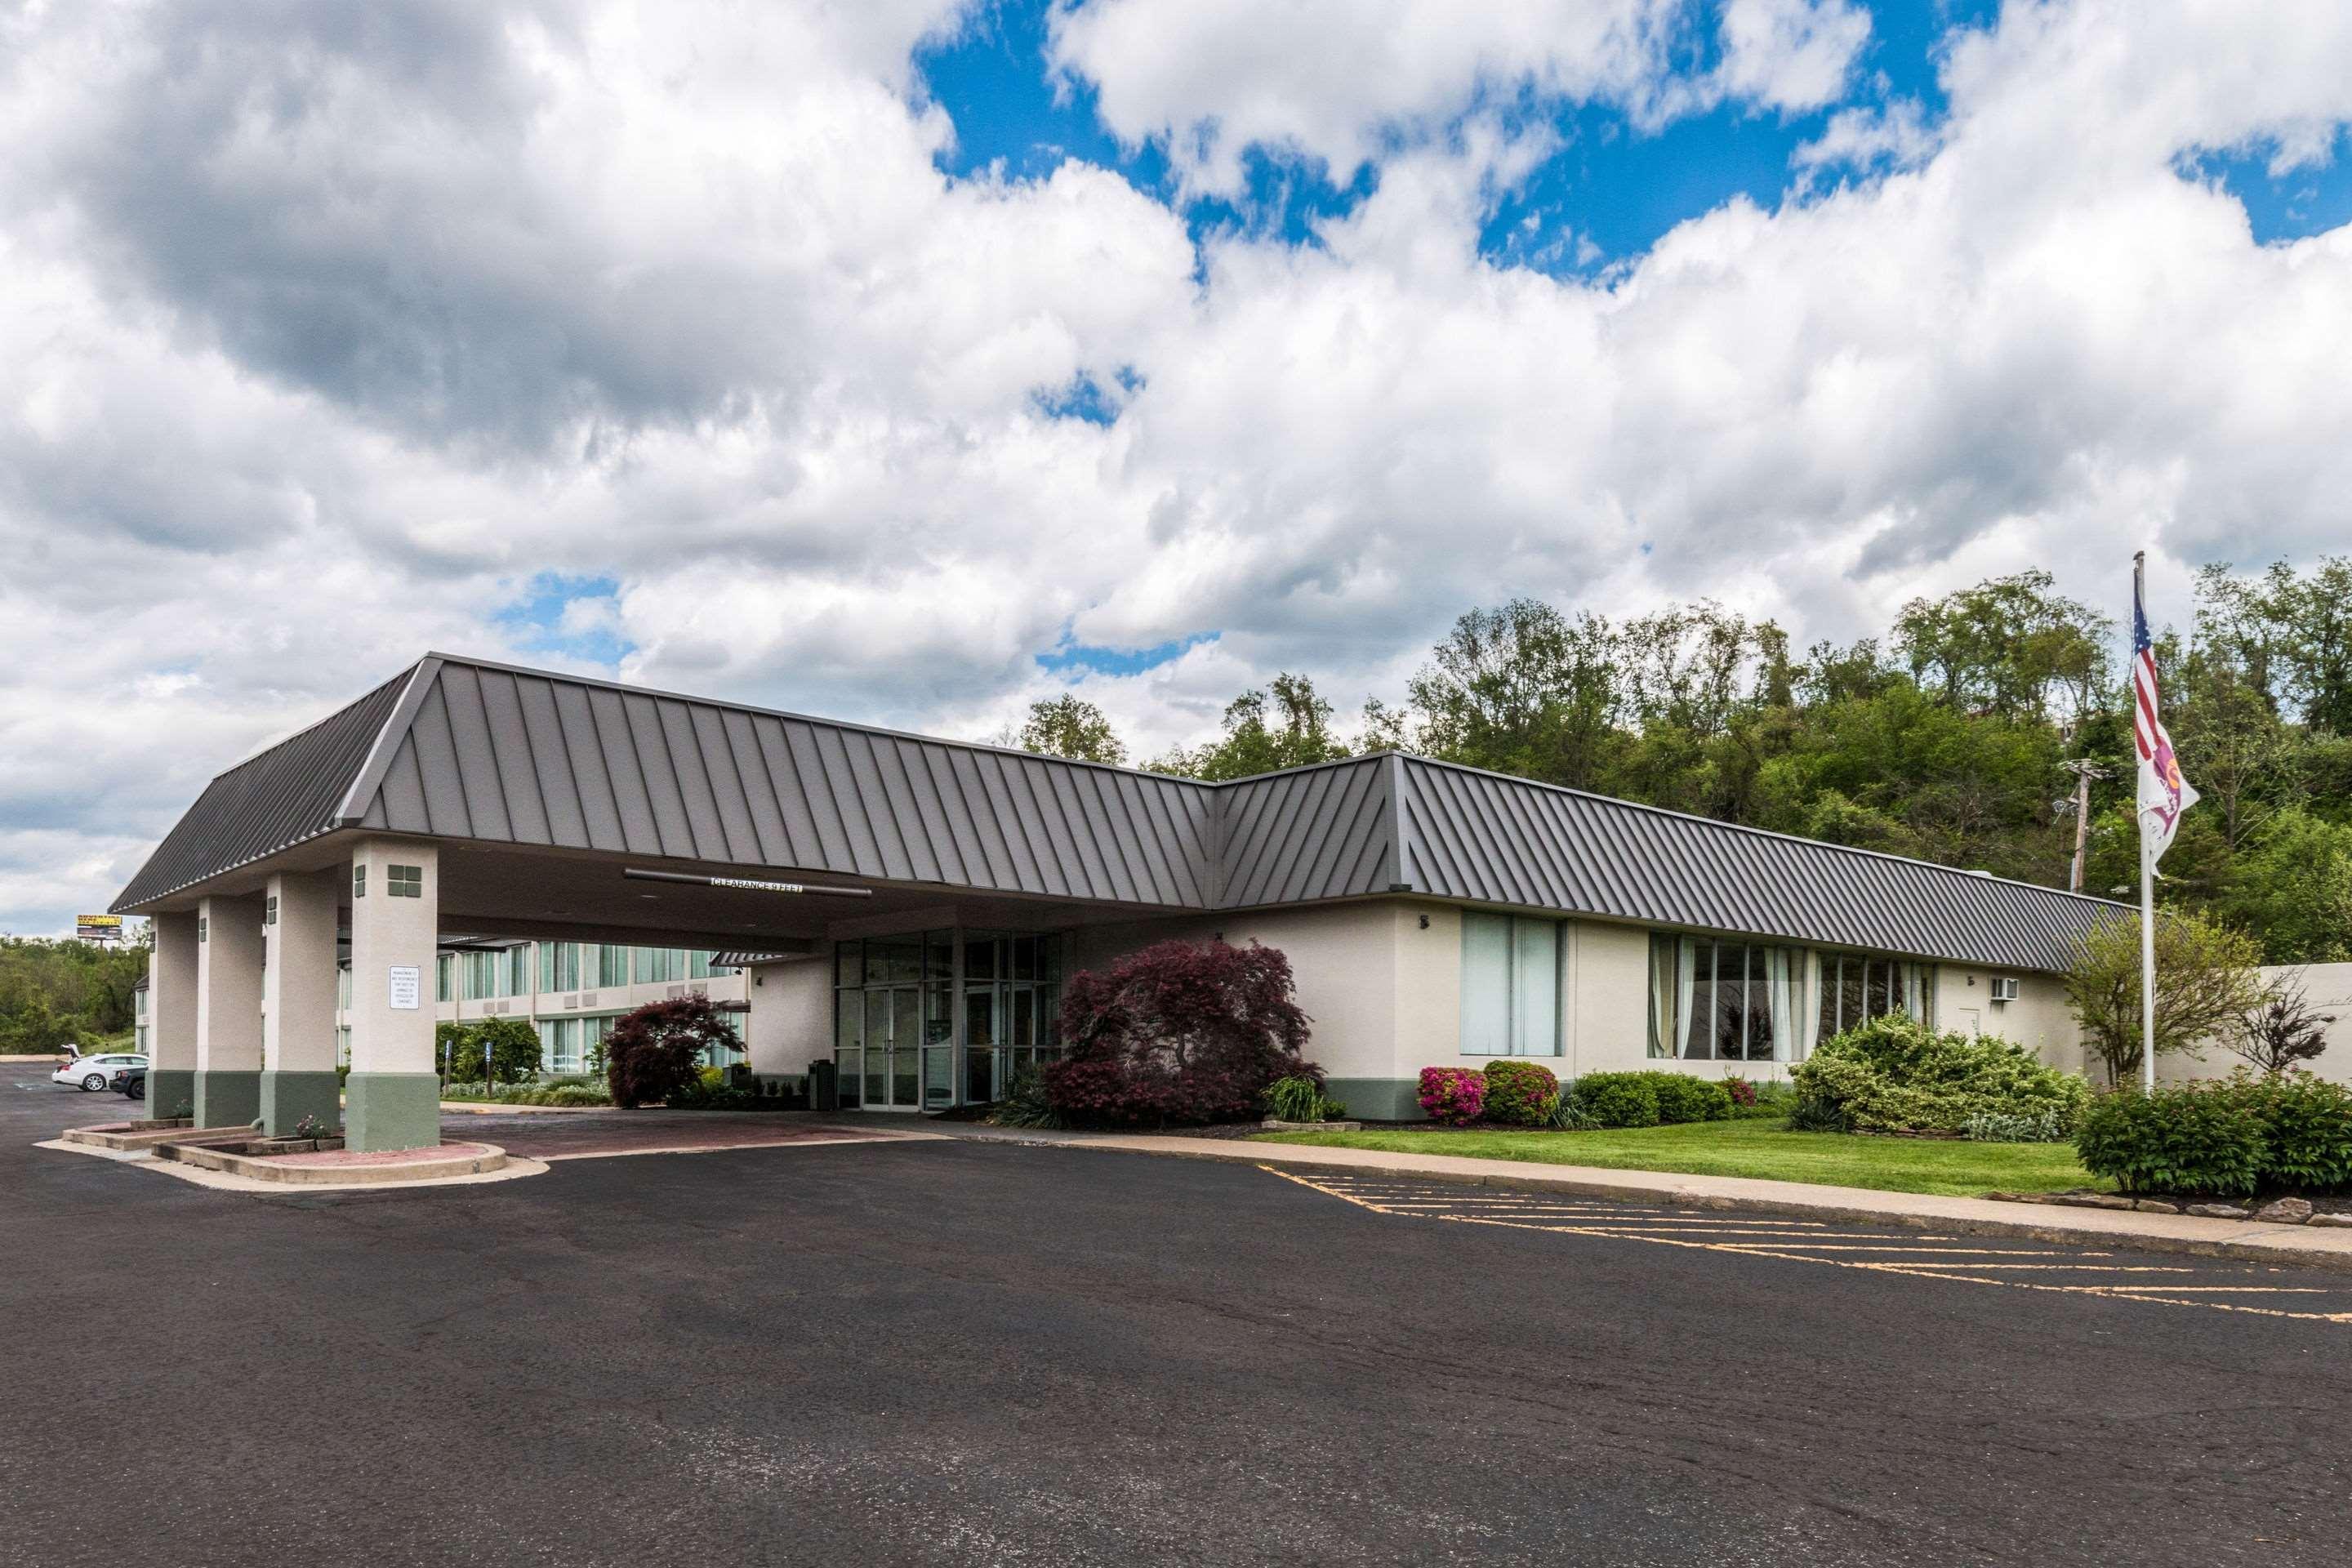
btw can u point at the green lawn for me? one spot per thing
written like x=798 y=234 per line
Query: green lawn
x=1755 y=1148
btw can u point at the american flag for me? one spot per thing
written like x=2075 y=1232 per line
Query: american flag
x=2164 y=795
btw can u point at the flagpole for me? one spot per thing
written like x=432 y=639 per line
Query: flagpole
x=2146 y=903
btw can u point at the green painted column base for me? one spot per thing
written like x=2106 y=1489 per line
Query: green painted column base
x=226 y=1098
x=392 y=1110
x=170 y=1091
x=1379 y=1098
x=287 y=1097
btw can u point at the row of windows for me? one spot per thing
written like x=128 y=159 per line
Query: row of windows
x=1709 y=999
x=479 y=975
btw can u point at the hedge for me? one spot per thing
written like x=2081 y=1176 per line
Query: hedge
x=2229 y=1139
x=1619 y=1099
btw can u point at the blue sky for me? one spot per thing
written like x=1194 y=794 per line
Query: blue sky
x=1611 y=183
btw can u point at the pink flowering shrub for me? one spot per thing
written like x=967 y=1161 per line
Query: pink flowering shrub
x=1453 y=1095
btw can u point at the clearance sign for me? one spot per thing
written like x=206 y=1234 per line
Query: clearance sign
x=99 y=928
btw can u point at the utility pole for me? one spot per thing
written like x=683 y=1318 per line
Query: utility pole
x=2085 y=770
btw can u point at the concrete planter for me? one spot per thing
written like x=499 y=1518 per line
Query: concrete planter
x=130 y=1137
x=449 y=1160
x=1276 y=1124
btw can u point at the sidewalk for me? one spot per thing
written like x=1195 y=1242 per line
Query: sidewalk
x=2242 y=1240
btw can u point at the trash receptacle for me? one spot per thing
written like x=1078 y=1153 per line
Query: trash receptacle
x=824 y=1086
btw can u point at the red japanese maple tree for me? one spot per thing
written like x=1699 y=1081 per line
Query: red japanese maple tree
x=1180 y=1032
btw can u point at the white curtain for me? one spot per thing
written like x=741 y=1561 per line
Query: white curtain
x=1535 y=988
x=1663 y=1020
x=1783 y=967
x=1918 y=981
x=1687 y=973
x=1486 y=985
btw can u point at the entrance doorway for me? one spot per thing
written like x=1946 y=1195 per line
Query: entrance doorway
x=898 y=1044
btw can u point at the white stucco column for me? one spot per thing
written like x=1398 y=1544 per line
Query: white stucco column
x=394 y=1093
x=172 y=1014
x=228 y=1010
x=299 y=922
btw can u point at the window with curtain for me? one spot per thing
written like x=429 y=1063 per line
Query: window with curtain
x=1510 y=986
x=1859 y=986
x=559 y=966
x=1724 y=1001
x=659 y=965
x=612 y=965
x=444 y=977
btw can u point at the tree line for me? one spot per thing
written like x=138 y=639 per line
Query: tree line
x=56 y=992
x=1940 y=738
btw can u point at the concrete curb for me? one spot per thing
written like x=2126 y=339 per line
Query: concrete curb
x=2242 y=1241
x=102 y=1137
x=480 y=1159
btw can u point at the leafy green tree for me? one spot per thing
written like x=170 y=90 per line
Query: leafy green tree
x=1286 y=726
x=1523 y=690
x=1069 y=726
x=2294 y=884
x=509 y=1047
x=2009 y=646
x=2206 y=979
x=2313 y=614
x=52 y=993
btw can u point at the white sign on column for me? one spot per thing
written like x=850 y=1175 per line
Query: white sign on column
x=405 y=986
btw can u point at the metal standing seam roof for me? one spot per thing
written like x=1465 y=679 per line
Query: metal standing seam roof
x=466 y=749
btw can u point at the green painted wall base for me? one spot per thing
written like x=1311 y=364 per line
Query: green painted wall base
x=1379 y=1098
x=168 y=1089
x=287 y=1097
x=226 y=1098
x=392 y=1110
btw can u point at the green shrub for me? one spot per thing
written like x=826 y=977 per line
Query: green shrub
x=1684 y=1099
x=1299 y=1097
x=2306 y=1131
x=1619 y=1099
x=1812 y=1113
x=1025 y=1105
x=2190 y=1138
x=1520 y=1093
x=1570 y=1115
x=1895 y=1074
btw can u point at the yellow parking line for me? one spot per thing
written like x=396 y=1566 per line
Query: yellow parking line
x=2183 y=1296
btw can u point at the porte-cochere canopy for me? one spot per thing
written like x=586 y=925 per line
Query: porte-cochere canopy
x=472 y=752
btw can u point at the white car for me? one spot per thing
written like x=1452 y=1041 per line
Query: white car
x=91 y=1074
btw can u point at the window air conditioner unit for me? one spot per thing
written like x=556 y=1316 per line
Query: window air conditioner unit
x=2004 y=987
x=570 y=1002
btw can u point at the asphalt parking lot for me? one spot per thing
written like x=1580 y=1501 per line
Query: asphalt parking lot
x=947 y=1352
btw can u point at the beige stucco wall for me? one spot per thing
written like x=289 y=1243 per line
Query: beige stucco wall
x=298 y=991
x=1608 y=1009
x=790 y=1021
x=171 y=994
x=1363 y=971
x=2038 y=1020
x=389 y=933
x=228 y=985
x=2327 y=987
